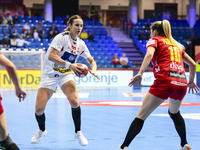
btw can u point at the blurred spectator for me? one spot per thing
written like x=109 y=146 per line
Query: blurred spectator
x=148 y=24
x=28 y=34
x=9 y=19
x=16 y=19
x=15 y=34
x=5 y=42
x=43 y=35
x=115 y=60
x=39 y=27
x=90 y=36
x=51 y=35
x=141 y=36
x=13 y=42
x=66 y=20
x=148 y=35
x=124 y=61
x=129 y=24
x=92 y=11
x=123 y=16
x=101 y=19
x=84 y=35
x=55 y=33
x=20 y=42
x=95 y=17
x=53 y=28
x=24 y=34
x=26 y=27
x=4 y=21
x=35 y=34
x=85 y=16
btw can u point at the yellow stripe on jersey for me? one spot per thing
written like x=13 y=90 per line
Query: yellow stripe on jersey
x=64 y=71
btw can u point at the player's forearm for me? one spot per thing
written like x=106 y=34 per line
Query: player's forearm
x=192 y=70
x=93 y=65
x=145 y=63
x=56 y=59
x=13 y=75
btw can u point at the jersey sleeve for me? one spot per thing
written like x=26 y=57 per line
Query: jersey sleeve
x=85 y=51
x=183 y=52
x=152 y=43
x=58 y=42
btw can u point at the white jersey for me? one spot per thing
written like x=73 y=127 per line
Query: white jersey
x=69 y=50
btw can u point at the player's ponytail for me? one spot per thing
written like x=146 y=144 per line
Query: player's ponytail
x=70 y=21
x=164 y=28
x=167 y=31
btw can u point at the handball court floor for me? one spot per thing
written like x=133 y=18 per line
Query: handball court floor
x=106 y=116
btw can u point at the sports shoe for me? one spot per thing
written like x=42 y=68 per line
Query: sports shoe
x=186 y=147
x=82 y=140
x=37 y=137
x=125 y=148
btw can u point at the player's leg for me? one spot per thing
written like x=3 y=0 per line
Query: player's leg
x=178 y=120
x=150 y=103
x=6 y=142
x=69 y=89
x=43 y=95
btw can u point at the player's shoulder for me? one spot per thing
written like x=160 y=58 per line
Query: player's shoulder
x=62 y=36
x=66 y=33
x=80 y=41
x=151 y=41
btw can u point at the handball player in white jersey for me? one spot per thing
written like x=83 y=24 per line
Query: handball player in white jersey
x=59 y=69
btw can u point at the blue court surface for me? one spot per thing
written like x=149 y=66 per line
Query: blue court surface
x=106 y=116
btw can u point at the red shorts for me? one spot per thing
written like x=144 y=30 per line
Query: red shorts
x=165 y=89
x=1 y=107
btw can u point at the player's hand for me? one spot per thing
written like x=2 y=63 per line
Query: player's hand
x=192 y=86
x=136 y=78
x=21 y=94
x=94 y=74
x=75 y=68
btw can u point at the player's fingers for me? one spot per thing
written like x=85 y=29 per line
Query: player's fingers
x=196 y=90
x=139 y=83
x=19 y=98
x=189 y=90
x=97 y=77
x=197 y=87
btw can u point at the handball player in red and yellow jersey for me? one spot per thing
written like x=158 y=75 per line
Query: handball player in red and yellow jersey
x=170 y=82
x=6 y=142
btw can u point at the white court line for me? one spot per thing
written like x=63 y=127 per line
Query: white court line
x=195 y=116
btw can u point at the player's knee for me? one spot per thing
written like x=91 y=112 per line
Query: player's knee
x=39 y=110
x=173 y=115
x=74 y=102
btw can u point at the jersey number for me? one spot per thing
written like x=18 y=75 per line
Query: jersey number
x=175 y=54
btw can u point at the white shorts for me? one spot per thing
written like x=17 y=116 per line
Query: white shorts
x=52 y=82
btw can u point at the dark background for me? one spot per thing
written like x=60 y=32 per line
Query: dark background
x=62 y=8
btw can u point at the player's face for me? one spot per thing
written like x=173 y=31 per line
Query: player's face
x=76 y=27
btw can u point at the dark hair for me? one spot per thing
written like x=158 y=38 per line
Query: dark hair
x=70 y=21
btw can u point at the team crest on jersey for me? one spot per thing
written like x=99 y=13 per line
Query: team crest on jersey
x=71 y=57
